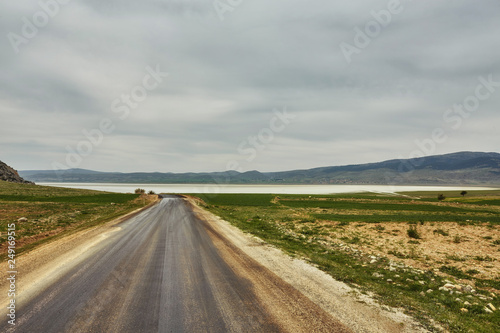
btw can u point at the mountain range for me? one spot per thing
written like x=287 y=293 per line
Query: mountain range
x=462 y=168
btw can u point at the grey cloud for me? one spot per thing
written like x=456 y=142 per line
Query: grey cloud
x=226 y=77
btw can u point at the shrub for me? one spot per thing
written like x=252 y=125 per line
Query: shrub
x=441 y=197
x=454 y=271
x=413 y=232
x=454 y=257
x=397 y=254
x=484 y=258
x=472 y=271
x=140 y=191
x=441 y=232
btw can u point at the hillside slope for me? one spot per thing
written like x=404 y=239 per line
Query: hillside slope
x=10 y=175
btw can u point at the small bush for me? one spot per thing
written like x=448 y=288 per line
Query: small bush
x=483 y=258
x=441 y=197
x=454 y=271
x=457 y=239
x=472 y=271
x=151 y=192
x=413 y=232
x=441 y=232
x=454 y=257
x=140 y=191
x=397 y=254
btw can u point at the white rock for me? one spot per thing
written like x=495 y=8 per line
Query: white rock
x=487 y=310
x=491 y=307
x=467 y=289
x=466 y=303
x=389 y=280
x=458 y=300
x=449 y=286
x=421 y=282
x=464 y=310
x=373 y=261
x=429 y=291
x=22 y=219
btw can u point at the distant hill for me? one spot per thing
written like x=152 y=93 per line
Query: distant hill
x=10 y=175
x=463 y=168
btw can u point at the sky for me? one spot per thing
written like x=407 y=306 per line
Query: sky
x=202 y=85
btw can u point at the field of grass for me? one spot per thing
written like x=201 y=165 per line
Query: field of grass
x=404 y=249
x=52 y=212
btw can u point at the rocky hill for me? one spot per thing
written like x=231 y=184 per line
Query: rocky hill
x=10 y=175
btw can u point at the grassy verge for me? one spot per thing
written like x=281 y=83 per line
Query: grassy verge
x=52 y=212
x=436 y=259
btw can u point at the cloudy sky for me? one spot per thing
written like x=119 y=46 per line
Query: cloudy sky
x=252 y=85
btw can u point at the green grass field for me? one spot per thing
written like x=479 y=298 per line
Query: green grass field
x=326 y=230
x=52 y=212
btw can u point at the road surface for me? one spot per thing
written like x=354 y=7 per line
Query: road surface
x=166 y=270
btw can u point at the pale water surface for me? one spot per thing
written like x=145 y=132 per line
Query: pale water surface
x=275 y=189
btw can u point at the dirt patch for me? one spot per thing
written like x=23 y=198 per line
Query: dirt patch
x=467 y=247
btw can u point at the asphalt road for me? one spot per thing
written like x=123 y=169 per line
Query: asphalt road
x=166 y=270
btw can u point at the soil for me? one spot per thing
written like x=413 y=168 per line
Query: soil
x=467 y=247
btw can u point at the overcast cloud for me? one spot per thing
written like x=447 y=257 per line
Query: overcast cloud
x=228 y=78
